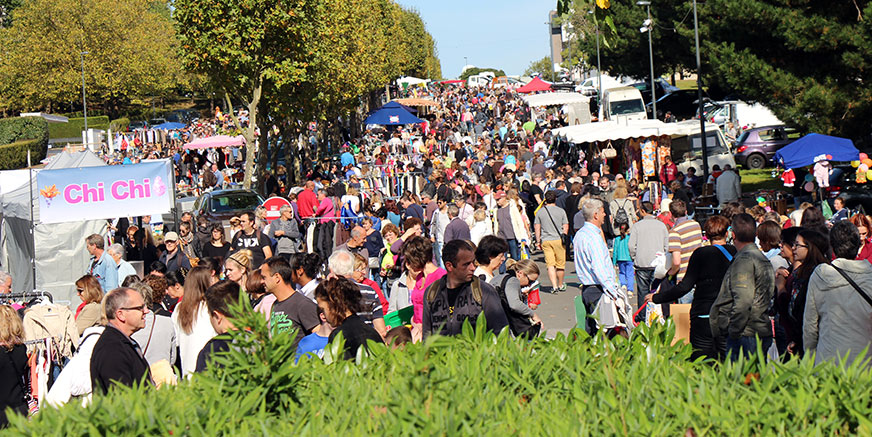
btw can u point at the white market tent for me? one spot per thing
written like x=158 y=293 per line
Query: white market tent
x=60 y=255
x=409 y=81
x=555 y=99
x=622 y=130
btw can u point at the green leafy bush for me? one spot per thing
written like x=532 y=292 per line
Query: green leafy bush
x=74 y=127
x=119 y=124
x=477 y=384
x=17 y=136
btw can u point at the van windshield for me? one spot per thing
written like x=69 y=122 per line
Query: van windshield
x=627 y=107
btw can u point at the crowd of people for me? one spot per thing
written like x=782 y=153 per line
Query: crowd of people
x=480 y=195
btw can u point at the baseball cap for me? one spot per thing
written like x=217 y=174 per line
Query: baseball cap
x=171 y=236
x=499 y=194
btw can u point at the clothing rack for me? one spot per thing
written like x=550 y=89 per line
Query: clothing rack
x=25 y=296
x=38 y=340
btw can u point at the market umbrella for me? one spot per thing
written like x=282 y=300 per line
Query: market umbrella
x=216 y=141
x=816 y=147
x=170 y=125
x=392 y=113
x=535 y=85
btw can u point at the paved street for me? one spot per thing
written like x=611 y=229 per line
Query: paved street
x=557 y=310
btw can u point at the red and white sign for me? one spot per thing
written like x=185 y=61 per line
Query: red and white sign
x=272 y=205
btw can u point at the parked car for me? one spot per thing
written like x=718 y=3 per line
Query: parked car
x=157 y=121
x=681 y=103
x=843 y=182
x=221 y=205
x=756 y=147
x=624 y=102
x=590 y=86
x=138 y=124
x=661 y=88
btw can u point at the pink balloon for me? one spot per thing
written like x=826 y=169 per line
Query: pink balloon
x=809 y=186
x=863 y=156
x=863 y=168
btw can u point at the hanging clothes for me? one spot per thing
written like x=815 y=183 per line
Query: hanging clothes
x=55 y=322
x=649 y=158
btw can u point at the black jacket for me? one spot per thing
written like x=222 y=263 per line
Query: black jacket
x=444 y=317
x=116 y=358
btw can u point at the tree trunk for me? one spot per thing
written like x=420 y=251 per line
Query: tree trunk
x=251 y=146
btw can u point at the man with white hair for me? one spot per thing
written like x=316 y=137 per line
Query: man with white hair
x=355 y=244
x=286 y=232
x=125 y=269
x=5 y=282
x=341 y=263
x=593 y=264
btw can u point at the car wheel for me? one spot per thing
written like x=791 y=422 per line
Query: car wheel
x=755 y=161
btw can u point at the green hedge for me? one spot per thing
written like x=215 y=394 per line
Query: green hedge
x=475 y=384
x=74 y=127
x=17 y=135
x=119 y=124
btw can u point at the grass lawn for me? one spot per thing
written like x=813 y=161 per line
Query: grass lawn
x=753 y=180
x=685 y=84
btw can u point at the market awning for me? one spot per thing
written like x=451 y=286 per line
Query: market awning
x=555 y=99
x=816 y=147
x=622 y=130
x=170 y=125
x=535 y=85
x=392 y=114
x=216 y=141
x=416 y=102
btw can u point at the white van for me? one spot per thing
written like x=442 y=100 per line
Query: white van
x=687 y=148
x=742 y=114
x=624 y=103
x=479 y=80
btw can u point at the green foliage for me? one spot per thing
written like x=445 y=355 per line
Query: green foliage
x=477 y=384
x=14 y=155
x=17 y=136
x=475 y=70
x=541 y=67
x=131 y=49
x=119 y=124
x=74 y=127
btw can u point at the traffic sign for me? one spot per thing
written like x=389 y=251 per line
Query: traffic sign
x=272 y=205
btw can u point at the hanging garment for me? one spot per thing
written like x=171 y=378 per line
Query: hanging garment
x=649 y=167
x=55 y=322
x=788 y=178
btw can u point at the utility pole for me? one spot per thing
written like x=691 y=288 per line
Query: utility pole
x=702 y=137
x=648 y=26
x=84 y=103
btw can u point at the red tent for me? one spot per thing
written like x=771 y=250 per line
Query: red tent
x=534 y=85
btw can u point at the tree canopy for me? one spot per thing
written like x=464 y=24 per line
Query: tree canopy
x=476 y=70
x=541 y=67
x=131 y=49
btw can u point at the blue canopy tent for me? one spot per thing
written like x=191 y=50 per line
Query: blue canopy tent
x=816 y=147
x=392 y=114
x=170 y=125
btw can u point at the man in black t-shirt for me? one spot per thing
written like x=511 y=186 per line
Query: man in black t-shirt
x=251 y=239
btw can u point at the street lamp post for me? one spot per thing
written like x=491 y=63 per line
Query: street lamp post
x=599 y=74
x=648 y=26
x=84 y=103
x=702 y=138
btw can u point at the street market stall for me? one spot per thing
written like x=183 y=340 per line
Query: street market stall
x=216 y=141
x=535 y=85
x=575 y=106
x=392 y=114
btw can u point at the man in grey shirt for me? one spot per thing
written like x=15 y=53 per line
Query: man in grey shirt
x=648 y=236
x=504 y=224
x=728 y=187
x=550 y=225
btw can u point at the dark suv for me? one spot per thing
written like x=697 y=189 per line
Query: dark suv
x=220 y=205
x=756 y=147
x=843 y=182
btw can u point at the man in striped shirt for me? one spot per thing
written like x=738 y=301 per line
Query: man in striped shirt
x=684 y=238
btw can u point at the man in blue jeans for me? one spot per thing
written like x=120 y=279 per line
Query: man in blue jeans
x=741 y=311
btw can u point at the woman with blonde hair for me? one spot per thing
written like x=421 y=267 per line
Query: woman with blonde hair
x=191 y=318
x=621 y=201
x=519 y=275
x=13 y=364
x=238 y=266
x=90 y=312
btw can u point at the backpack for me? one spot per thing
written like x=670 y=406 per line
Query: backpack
x=348 y=217
x=621 y=216
x=518 y=323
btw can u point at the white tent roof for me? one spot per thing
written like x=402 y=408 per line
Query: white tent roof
x=555 y=99
x=622 y=130
x=411 y=80
x=66 y=159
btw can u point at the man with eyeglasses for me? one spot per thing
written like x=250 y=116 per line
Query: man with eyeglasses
x=117 y=358
x=174 y=258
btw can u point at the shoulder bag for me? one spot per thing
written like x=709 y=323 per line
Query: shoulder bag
x=853 y=284
x=564 y=238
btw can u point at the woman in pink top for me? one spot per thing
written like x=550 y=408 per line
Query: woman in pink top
x=418 y=255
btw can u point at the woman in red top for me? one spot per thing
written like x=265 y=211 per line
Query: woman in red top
x=864 y=226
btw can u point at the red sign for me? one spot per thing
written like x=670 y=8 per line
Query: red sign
x=272 y=205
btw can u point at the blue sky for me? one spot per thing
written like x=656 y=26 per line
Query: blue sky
x=507 y=34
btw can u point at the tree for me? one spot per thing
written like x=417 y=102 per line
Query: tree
x=810 y=61
x=131 y=49
x=542 y=67
x=248 y=48
x=475 y=70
